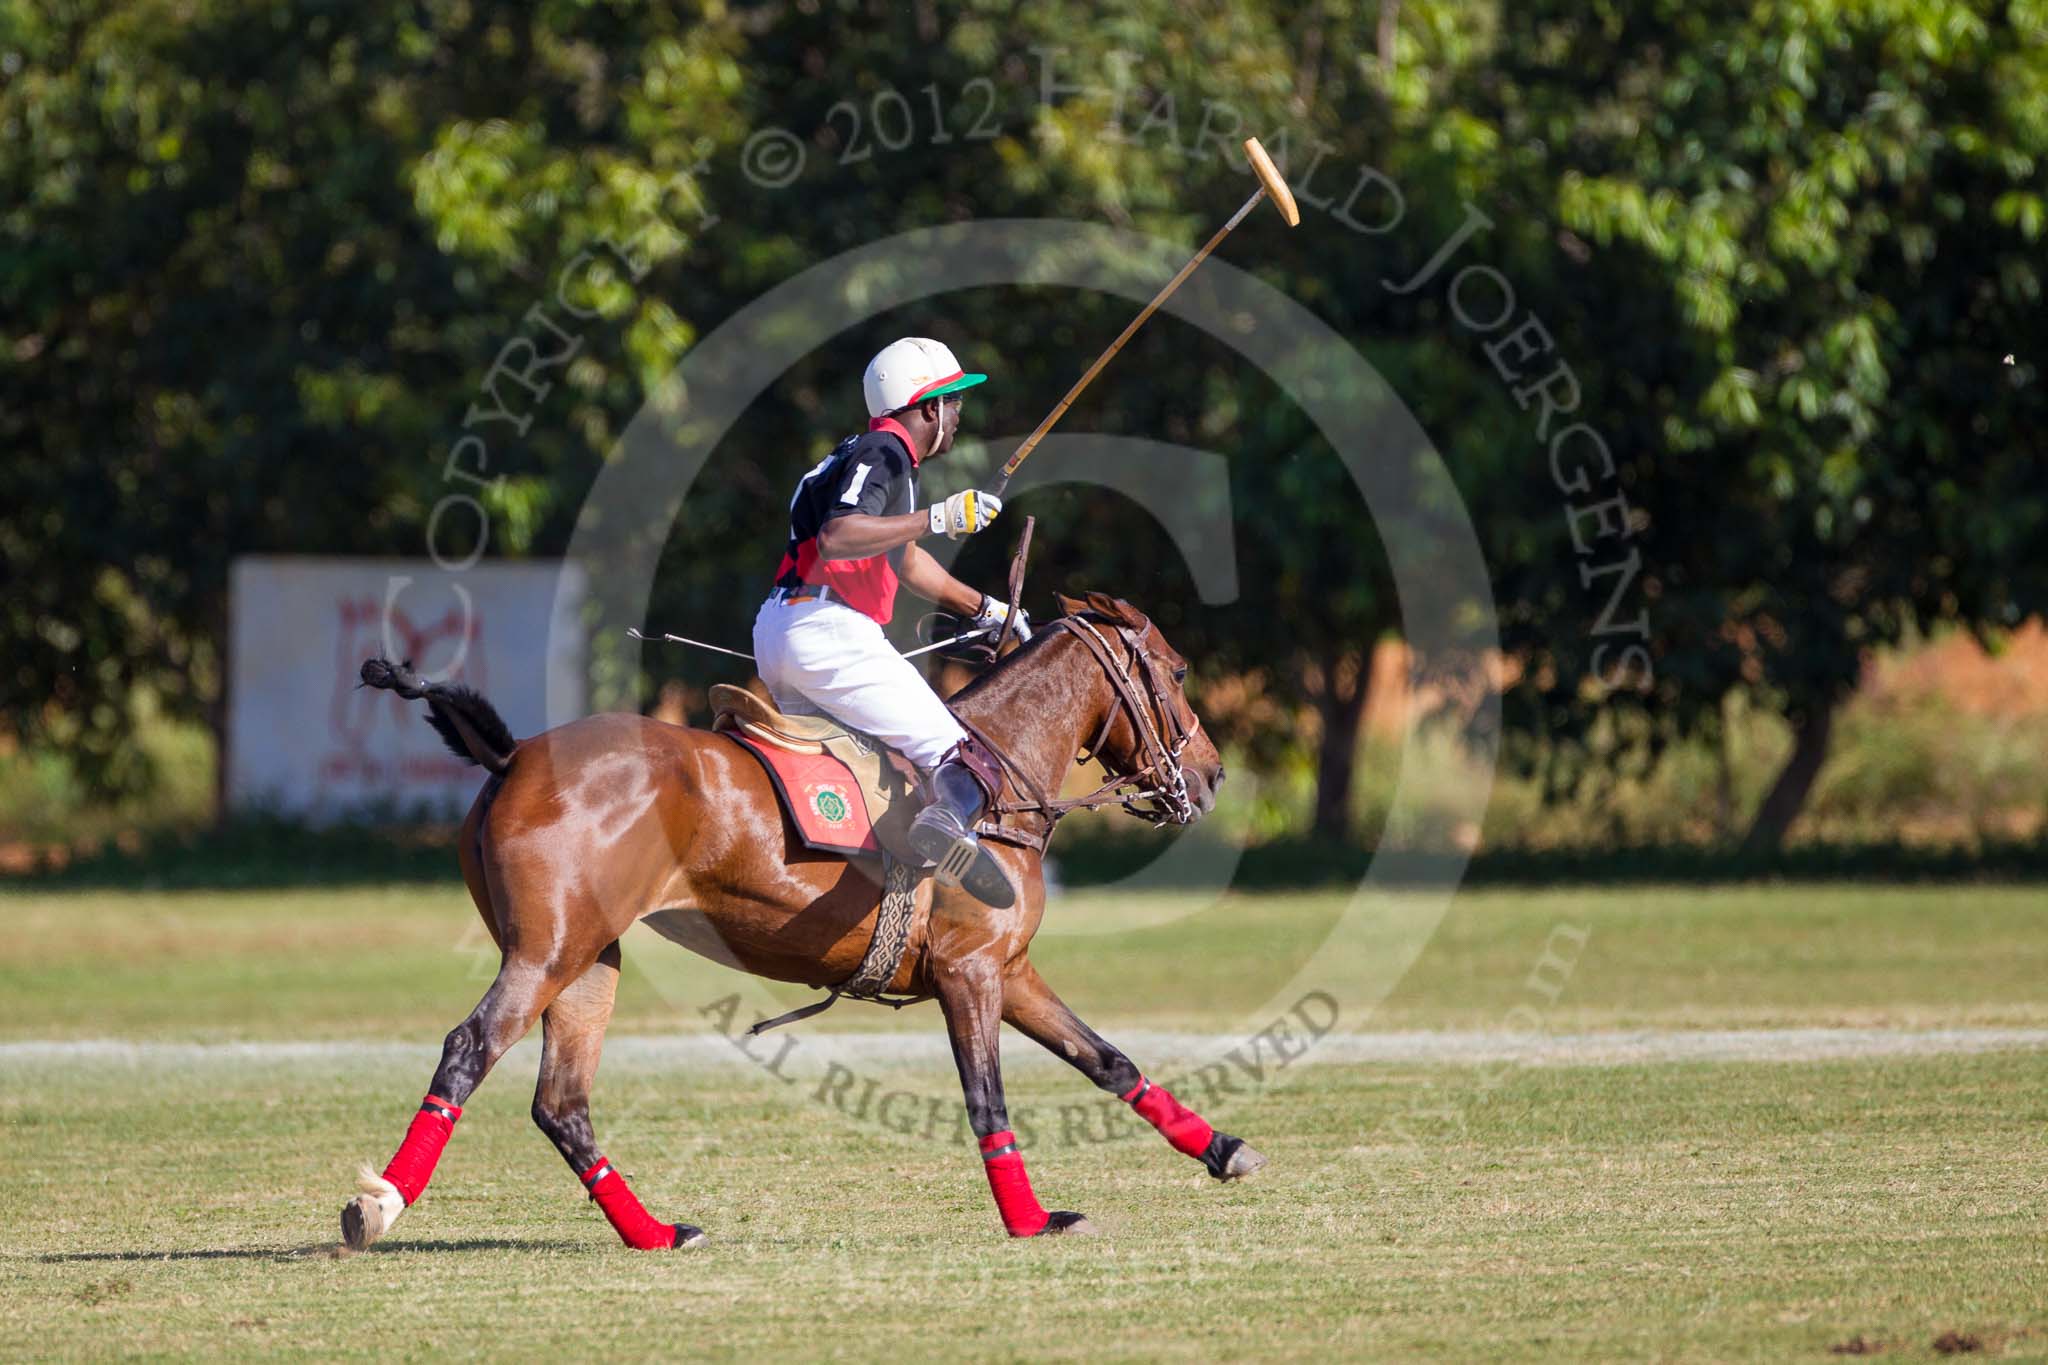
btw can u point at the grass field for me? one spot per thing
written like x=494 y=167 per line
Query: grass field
x=178 y=1200
x=409 y=961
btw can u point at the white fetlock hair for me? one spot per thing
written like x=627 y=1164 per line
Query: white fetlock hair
x=389 y=1201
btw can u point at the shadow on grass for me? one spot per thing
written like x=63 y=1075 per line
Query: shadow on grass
x=260 y=854
x=310 y=1251
x=1301 y=863
x=479 y=1244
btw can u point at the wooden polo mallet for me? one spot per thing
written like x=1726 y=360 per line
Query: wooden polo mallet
x=1271 y=186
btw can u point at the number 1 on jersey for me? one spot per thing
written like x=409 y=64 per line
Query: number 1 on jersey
x=852 y=493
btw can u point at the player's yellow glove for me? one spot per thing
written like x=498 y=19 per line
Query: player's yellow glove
x=964 y=513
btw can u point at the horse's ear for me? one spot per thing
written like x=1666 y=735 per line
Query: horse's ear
x=1070 y=606
x=1116 y=609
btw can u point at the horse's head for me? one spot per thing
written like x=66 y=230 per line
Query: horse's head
x=1150 y=733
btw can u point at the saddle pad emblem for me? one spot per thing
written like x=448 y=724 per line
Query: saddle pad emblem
x=825 y=801
x=830 y=803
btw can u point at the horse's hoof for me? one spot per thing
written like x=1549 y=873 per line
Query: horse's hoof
x=687 y=1236
x=1231 y=1158
x=371 y=1213
x=1067 y=1224
x=362 y=1222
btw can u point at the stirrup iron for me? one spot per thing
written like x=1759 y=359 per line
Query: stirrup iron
x=958 y=859
x=943 y=832
x=963 y=862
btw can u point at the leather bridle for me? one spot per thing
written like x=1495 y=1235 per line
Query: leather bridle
x=1156 y=790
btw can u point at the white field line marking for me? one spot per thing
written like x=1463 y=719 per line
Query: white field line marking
x=929 y=1048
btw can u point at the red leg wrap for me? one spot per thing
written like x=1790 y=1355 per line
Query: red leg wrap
x=1023 y=1215
x=636 y=1227
x=1188 y=1131
x=413 y=1165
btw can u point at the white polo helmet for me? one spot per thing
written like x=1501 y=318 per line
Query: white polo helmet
x=911 y=370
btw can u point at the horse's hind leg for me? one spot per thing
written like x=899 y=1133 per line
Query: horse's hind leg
x=1031 y=1007
x=971 y=995
x=572 y=1032
x=524 y=987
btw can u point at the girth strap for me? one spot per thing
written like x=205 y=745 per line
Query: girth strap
x=893 y=925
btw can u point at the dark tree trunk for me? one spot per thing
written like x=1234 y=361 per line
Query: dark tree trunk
x=1811 y=732
x=1389 y=27
x=1346 y=682
x=1724 y=776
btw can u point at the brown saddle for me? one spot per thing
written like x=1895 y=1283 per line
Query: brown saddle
x=738 y=708
x=883 y=776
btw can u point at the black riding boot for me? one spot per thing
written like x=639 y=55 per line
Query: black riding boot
x=943 y=833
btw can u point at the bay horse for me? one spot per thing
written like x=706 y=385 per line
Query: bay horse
x=585 y=829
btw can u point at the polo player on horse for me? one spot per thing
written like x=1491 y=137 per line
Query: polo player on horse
x=854 y=524
x=562 y=858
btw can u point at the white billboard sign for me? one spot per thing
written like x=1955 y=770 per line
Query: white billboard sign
x=304 y=740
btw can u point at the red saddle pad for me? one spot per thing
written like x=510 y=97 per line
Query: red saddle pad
x=822 y=799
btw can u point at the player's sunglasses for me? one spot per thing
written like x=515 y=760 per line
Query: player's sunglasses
x=944 y=399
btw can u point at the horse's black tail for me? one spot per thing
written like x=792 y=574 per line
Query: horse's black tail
x=470 y=726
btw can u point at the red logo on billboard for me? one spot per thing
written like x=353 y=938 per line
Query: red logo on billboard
x=449 y=649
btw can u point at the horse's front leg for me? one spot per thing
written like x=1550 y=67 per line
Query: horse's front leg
x=1031 y=1007
x=971 y=995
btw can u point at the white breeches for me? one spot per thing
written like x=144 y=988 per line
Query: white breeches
x=826 y=658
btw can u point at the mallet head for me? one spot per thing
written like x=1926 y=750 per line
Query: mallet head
x=1270 y=178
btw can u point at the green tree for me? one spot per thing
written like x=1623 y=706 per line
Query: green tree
x=1817 y=226
x=232 y=323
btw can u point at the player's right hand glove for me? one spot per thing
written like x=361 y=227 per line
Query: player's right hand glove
x=964 y=513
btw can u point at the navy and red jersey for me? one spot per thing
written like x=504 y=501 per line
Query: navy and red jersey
x=873 y=474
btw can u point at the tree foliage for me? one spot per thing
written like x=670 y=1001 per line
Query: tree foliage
x=257 y=262
x=1828 y=218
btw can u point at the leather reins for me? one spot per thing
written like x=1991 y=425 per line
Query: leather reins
x=1160 y=780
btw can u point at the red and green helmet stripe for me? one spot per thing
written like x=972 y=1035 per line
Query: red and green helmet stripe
x=951 y=383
